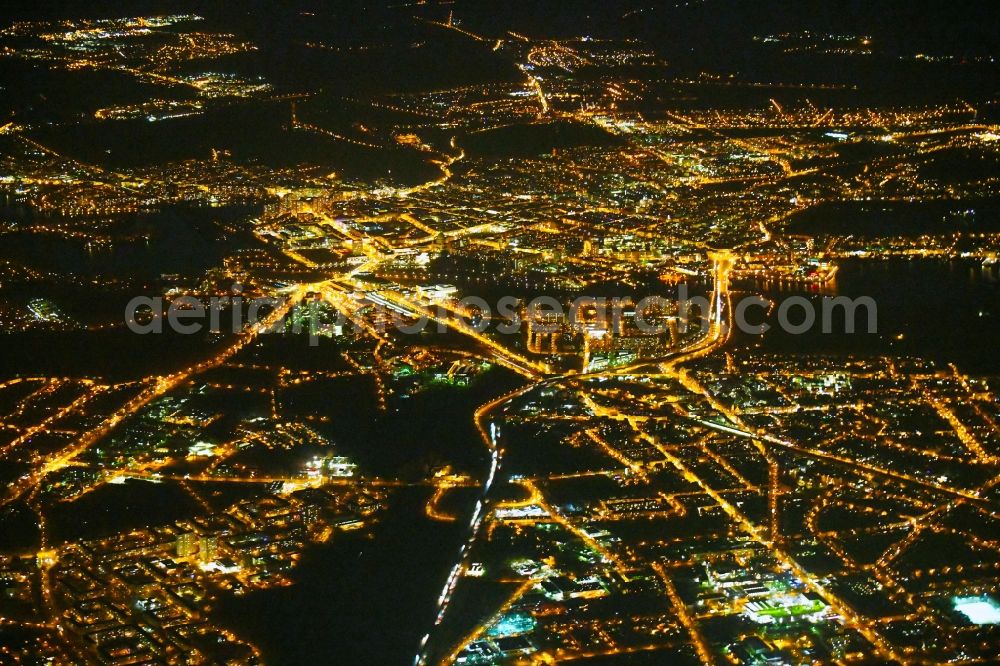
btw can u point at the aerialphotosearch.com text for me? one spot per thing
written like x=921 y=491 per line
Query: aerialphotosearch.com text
x=651 y=315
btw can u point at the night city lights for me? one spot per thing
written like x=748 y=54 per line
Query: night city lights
x=432 y=332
